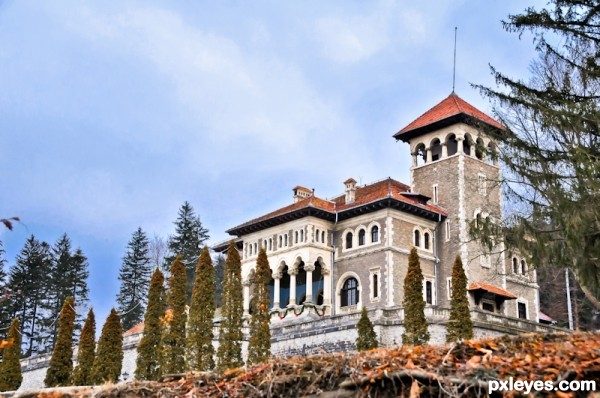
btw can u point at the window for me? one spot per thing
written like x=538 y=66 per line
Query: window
x=285 y=240
x=349 y=293
x=349 y=240
x=249 y=250
x=296 y=237
x=301 y=235
x=426 y=240
x=280 y=242
x=522 y=310
x=428 y=292
x=375 y=285
x=417 y=238
x=270 y=244
x=435 y=193
x=255 y=249
x=482 y=185
x=447 y=224
x=515 y=265
x=375 y=234
x=323 y=237
x=449 y=288
x=317 y=235
x=488 y=306
x=361 y=237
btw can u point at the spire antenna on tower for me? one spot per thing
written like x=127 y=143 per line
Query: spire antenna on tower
x=454 y=67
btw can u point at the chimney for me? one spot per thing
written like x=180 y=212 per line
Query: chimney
x=301 y=193
x=350 y=184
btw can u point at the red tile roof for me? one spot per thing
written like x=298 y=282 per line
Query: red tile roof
x=364 y=195
x=492 y=289
x=136 y=329
x=453 y=105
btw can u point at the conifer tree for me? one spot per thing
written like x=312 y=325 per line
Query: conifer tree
x=259 y=346
x=30 y=274
x=367 y=338
x=148 y=359
x=460 y=325
x=82 y=375
x=109 y=353
x=173 y=341
x=229 y=353
x=415 y=324
x=187 y=242
x=61 y=362
x=4 y=296
x=135 y=277
x=200 y=350
x=10 y=368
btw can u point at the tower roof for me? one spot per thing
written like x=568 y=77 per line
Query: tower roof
x=451 y=110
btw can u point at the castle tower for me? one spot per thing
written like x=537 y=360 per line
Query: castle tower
x=455 y=164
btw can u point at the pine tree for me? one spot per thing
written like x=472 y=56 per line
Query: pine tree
x=29 y=275
x=109 y=353
x=460 y=325
x=173 y=341
x=61 y=363
x=259 y=346
x=219 y=277
x=10 y=368
x=148 y=359
x=82 y=375
x=415 y=324
x=135 y=277
x=551 y=144
x=229 y=353
x=367 y=338
x=187 y=242
x=200 y=350
x=4 y=296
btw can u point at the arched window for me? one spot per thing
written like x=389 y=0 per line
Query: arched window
x=515 y=266
x=323 y=237
x=523 y=267
x=375 y=234
x=285 y=240
x=421 y=153
x=270 y=244
x=361 y=237
x=255 y=249
x=452 y=144
x=349 y=293
x=301 y=235
x=417 y=238
x=280 y=241
x=426 y=240
x=317 y=235
x=349 y=240
x=295 y=236
x=428 y=292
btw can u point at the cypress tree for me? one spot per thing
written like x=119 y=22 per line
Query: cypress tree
x=148 y=359
x=109 y=353
x=4 y=296
x=187 y=242
x=135 y=277
x=173 y=341
x=367 y=338
x=61 y=363
x=10 y=368
x=200 y=349
x=229 y=353
x=219 y=277
x=82 y=375
x=259 y=347
x=415 y=324
x=460 y=325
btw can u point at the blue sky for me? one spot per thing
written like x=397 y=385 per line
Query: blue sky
x=114 y=113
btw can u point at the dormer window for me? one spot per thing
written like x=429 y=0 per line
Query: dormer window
x=350 y=184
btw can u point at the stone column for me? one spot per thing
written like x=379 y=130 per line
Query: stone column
x=276 y=288
x=326 y=287
x=444 y=150
x=309 y=268
x=293 y=272
x=246 y=289
x=459 y=144
x=429 y=155
x=414 y=159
